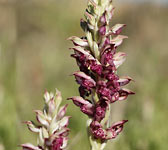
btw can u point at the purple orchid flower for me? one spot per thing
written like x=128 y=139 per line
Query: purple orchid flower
x=98 y=60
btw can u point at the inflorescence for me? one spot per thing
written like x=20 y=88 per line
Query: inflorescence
x=98 y=60
x=53 y=129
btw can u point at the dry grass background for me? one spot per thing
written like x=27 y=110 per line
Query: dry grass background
x=34 y=56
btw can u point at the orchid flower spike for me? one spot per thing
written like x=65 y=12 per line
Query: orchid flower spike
x=98 y=60
x=53 y=125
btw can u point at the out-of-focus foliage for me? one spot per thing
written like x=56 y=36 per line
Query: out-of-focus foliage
x=34 y=55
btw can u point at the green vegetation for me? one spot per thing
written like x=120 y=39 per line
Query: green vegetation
x=34 y=56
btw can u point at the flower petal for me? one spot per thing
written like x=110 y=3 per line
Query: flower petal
x=65 y=142
x=118 y=124
x=31 y=126
x=78 y=41
x=118 y=40
x=64 y=122
x=124 y=80
x=123 y=93
x=119 y=58
x=79 y=101
x=116 y=29
x=84 y=52
x=29 y=146
x=62 y=111
x=115 y=129
x=87 y=110
x=51 y=106
x=47 y=96
x=41 y=118
x=59 y=125
x=63 y=132
x=84 y=79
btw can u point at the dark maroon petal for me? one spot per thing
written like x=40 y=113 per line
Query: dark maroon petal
x=113 y=84
x=108 y=58
x=112 y=76
x=102 y=30
x=79 y=101
x=100 y=111
x=87 y=110
x=57 y=143
x=85 y=106
x=84 y=80
x=124 y=80
x=97 y=130
x=115 y=129
x=101 y=83
x=118 y=124
x=84 y=92
x=104 y=92
x=97 y=68
x=95 y=125
x=99 y=133
x=124 y=93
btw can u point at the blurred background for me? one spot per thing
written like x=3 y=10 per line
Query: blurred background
x=34 y=56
